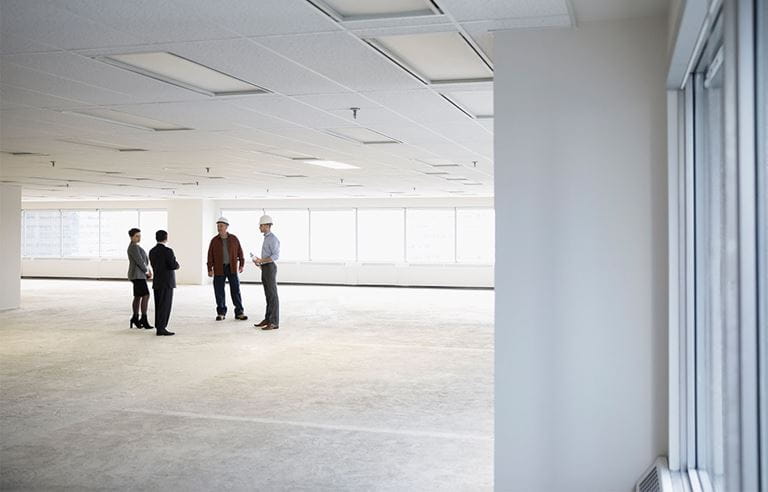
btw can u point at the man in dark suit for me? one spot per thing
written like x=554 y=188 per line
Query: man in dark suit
x=164 y=265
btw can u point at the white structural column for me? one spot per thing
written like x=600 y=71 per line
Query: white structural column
x=191 y=224
x=581 y=228
x=10 y=246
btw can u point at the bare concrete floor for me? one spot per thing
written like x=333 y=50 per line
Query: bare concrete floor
x=360 y=389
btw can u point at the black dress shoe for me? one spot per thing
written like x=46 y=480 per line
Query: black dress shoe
x=164 y=333
x=270 y=327
x=241 y=317
x=263 y=323
x=220 y=317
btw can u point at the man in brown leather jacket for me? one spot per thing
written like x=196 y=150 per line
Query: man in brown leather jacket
x=225 y=261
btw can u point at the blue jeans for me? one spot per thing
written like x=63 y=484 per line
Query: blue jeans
x=234 y=290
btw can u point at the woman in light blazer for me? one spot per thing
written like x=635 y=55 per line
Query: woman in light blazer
x=138 y=273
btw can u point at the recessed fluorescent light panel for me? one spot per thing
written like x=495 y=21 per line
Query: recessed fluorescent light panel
x=26 y=154
x=477 y=103
x=438 y=57
x=351 y=10
x=125 y=119
x=179 y=71
x=94 y=171
x=285 y=154
x=329 y=164
x=100 y=144
x=362 y=135
x=436 y=162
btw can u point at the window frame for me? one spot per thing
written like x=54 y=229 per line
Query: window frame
x=101 y=221
x=744 y=397
x=24 y=235
x=419 y=209
x=98 y=238
x=100 y=256
x=275 y=212
x=312 y=211
x=403 y=211
x=456 y=226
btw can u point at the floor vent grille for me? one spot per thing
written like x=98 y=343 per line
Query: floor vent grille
x=656 y=479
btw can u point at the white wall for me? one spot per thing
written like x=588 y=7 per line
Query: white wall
x=10 y=246
x=191 y=224
x=581 y=287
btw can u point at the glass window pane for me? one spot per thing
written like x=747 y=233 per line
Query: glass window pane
x=42 y=233
x=430 y=235
x=333 y=235
x=245 y=225
x=292 y=229
x=23 y=248
x=381 y=235
x=115 y=225
x=151 y=221
x=475 y=235
x=714 y=260
x=80 y=233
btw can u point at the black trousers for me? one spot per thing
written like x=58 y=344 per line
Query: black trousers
x=269 y=281
x=163 y=302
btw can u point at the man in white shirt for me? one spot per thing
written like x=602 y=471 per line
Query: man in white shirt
x=270 y=252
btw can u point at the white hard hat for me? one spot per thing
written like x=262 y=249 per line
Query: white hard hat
x=223 y=220
x=265 y=219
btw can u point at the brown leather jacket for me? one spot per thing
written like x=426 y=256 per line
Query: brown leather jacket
x=216 y=254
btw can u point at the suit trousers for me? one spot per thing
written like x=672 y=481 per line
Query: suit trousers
x=269 y=281
x=163 y=302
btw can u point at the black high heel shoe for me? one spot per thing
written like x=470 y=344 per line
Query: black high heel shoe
x=144 y=323
x=135 y=321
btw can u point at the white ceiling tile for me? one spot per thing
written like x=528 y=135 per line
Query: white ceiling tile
x=316 y=71
x=344 y=59
x=461 y=10
x=152 y=21
x=46 y=22
x=20 y=97
x=10 y=44
x=26 y=78
x=249 y=61
x=211 y=115
x=262 y=17
x=420 y=106
x=85 y=70
x=291 y=110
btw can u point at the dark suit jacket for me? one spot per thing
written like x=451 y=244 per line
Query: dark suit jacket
x=164 y=265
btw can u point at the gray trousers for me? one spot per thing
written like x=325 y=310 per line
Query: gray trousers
x=269 y=281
